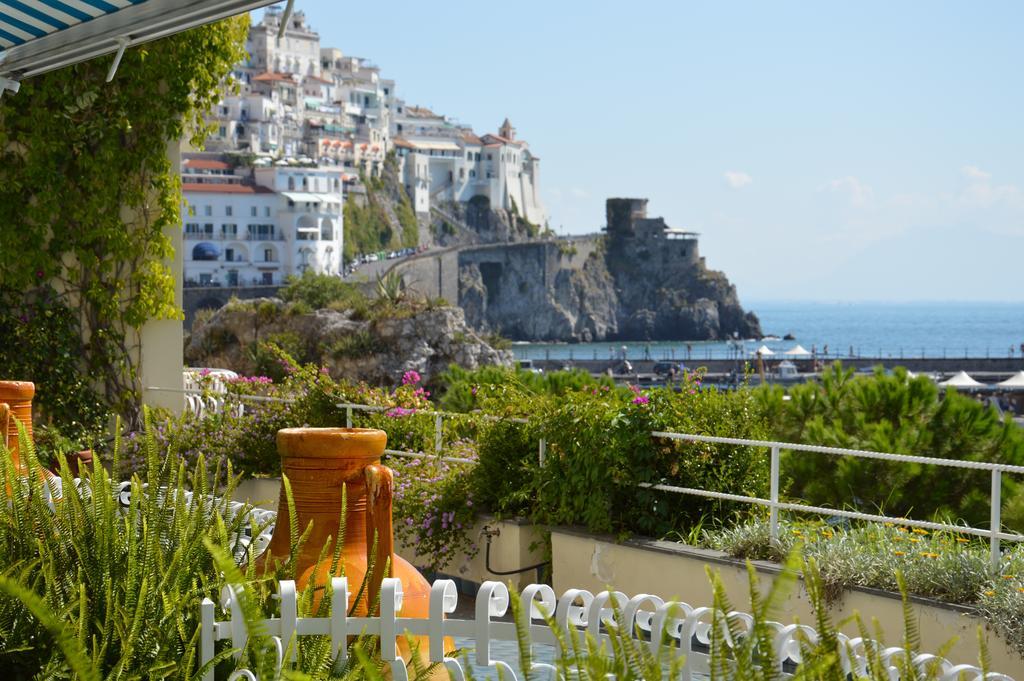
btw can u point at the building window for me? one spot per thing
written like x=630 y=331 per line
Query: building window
x=268 y=279
x=291 y=183
x=253 y=211
x=227 y=211
x=208 y=228
x=229 y=254
x=266 y=211
x=229 y=229
x=191 y=211
x=192 y=228
x=268 y=255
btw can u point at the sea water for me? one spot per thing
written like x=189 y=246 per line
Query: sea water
x=888 y=330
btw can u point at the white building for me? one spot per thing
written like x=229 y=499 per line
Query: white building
x=442 y=162
x=259 y=227
x=316 y=105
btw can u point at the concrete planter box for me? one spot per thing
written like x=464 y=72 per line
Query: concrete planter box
x=510 y=550
x=675 y=571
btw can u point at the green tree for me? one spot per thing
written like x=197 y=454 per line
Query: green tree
x=87 y=191
x=892 y=413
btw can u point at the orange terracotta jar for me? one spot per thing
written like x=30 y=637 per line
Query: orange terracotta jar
x=317 y=462
x=17 y=395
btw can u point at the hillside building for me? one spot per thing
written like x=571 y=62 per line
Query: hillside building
x=256 y=227
x=297 y=99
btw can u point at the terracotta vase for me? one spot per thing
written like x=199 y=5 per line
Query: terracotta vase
x=317 y=462
x=17 y=395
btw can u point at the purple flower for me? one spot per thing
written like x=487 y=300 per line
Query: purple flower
x=410 y=377
x=204 y=373
x=641 y=399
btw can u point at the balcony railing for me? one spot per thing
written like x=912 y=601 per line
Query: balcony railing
x=216 y=236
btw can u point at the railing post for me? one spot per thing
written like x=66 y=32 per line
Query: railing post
x=773 y=514
x=207 y=612
x=542 y=450
x=348 y=416
x=994 y=521
x=438 y=426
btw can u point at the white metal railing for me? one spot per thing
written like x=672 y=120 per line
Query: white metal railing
x=674 y=629
x=993 y=532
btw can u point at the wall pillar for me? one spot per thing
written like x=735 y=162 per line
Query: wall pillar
x=162 y=341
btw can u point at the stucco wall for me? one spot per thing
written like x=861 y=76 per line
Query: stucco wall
x=675 y=572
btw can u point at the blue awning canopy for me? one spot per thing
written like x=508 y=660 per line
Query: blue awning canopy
x=37 y=36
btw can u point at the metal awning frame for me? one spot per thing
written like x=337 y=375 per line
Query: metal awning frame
x=114 y=33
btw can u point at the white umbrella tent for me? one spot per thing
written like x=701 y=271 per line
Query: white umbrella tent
x=1015 y=382
x=799 y=350
x=764 y=351
x=961 y=381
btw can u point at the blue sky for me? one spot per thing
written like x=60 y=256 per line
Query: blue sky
x=825 y=151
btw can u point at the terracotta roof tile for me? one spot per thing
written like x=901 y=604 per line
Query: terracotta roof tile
x=205 y=164
x=271 y=76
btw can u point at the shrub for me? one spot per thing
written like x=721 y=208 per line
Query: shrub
x=434 y=507
x=356 y=345
x=318 y=291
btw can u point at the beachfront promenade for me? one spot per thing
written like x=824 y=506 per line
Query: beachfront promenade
x=997 y=366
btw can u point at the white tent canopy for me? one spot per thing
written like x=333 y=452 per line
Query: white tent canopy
x=36 y=37
x=798 y=350
x=764 y=351
x=961 y=380
x=1015 y=382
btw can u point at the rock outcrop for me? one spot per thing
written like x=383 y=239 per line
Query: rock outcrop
x=377 y=351
x=641 y=281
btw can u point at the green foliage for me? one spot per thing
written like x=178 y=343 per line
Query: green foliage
x=370 y=228
x=435 y=507
x=893 y=413
x=458 y=387
x=357 y=345
x=41 y=339
x=745 y=649
x=87 y=189
x=319 y=291
x=599 y=450
x=125 y=585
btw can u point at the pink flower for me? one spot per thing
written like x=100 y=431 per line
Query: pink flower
x=641 y=399
x=410 y=377
x=398 y=412
x=204 y=373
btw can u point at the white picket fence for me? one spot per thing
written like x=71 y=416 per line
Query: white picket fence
x=688 y=630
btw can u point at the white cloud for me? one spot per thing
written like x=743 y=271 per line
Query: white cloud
x=858 y=193
x=737 y=179
x=975 y=173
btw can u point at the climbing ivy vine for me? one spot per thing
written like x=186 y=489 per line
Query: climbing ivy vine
x=86 y=192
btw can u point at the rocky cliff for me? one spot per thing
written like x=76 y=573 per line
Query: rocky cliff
x=641 y=281
x=378 y=350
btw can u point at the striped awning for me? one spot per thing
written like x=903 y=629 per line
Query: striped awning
x=37 y=36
